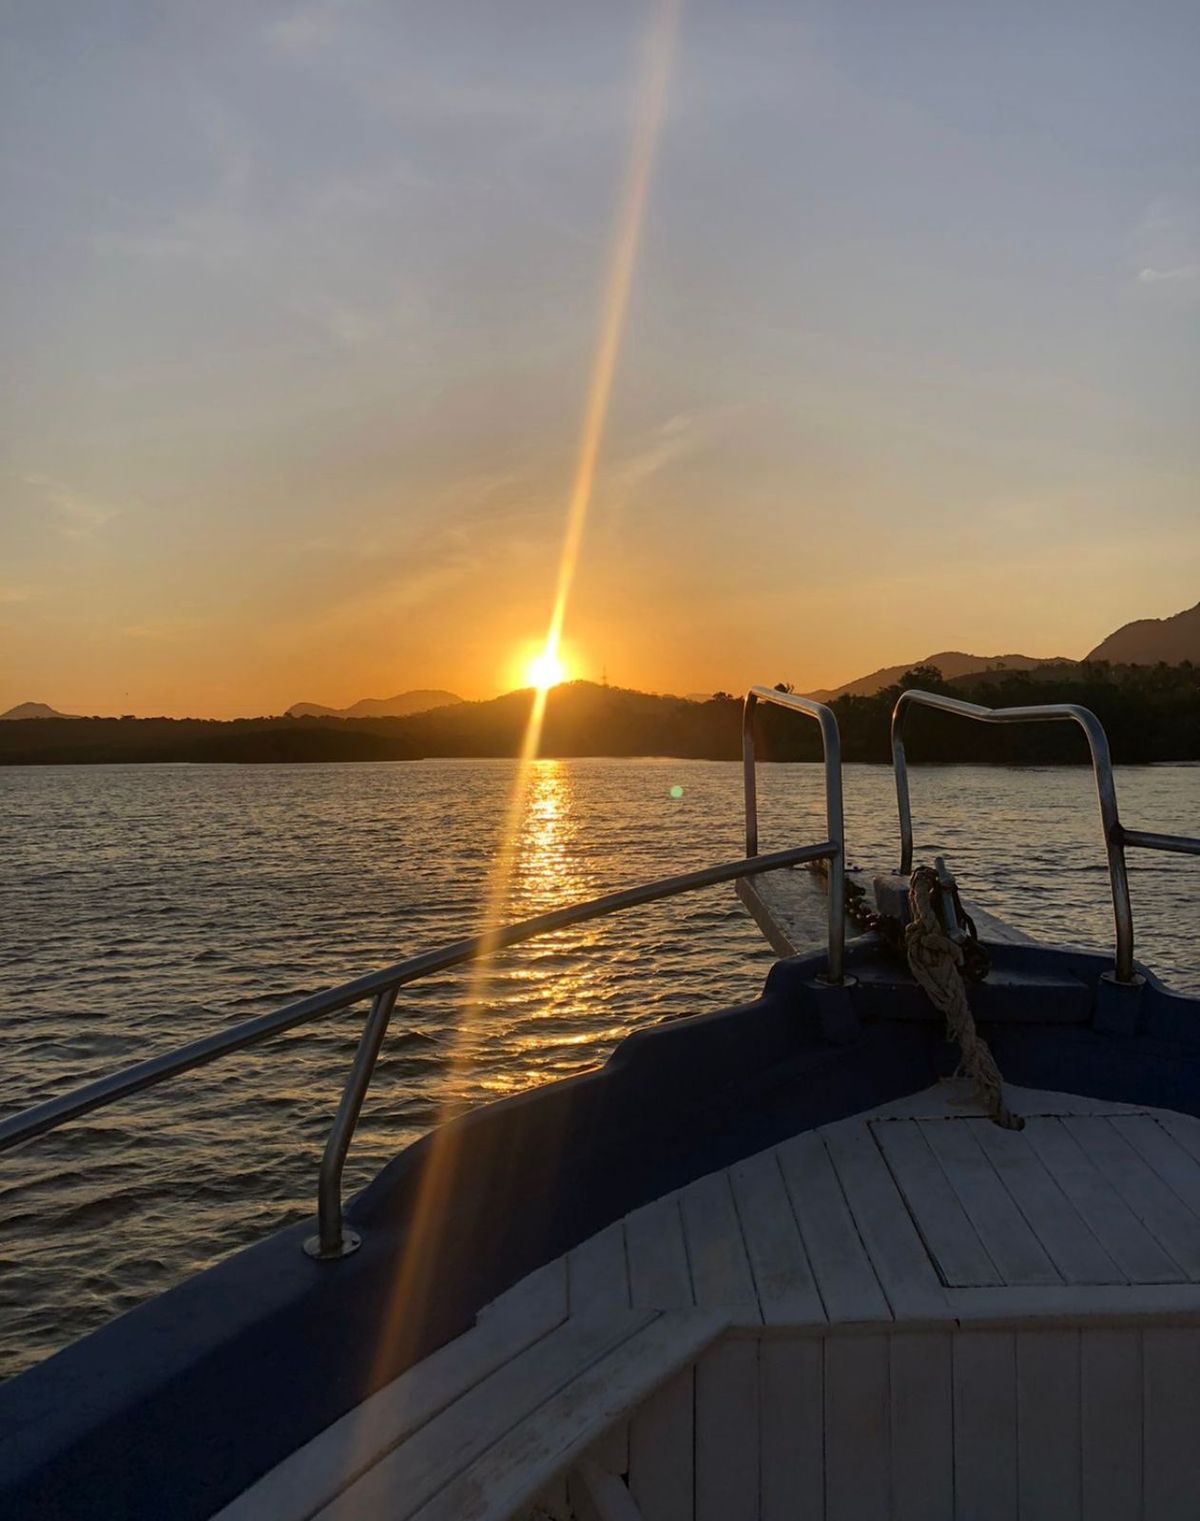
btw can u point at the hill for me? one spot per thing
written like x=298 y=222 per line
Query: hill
x=34 y=710
x=951 y=663
x=400 y=706
x=1151 y=713
x=111 y=741
x=1149 y=640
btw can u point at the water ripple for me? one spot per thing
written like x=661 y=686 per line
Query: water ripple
x=149 y=905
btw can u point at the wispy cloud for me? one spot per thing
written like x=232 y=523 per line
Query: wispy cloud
x=1167 y=243
x=15 y=596
x=162 y=629
x=671 y=440
x=212 y=229
x=75 y=516
x=308 y=28
x=1182 y=273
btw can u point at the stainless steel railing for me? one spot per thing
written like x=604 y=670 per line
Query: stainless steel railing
x=835 y=828
x=1116 y=836
x=333 y=1238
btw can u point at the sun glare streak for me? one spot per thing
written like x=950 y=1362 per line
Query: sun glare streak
x=652 y=102
x=412 y=1284
x=545 y=670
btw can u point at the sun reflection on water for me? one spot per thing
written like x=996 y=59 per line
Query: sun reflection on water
x=546 y=867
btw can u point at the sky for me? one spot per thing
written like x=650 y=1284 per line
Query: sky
x=300 y=306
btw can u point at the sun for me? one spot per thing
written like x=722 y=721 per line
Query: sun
x=545 y=670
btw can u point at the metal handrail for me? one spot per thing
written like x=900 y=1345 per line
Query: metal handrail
x=831 y=745
x=1116 y=836
x=332 y=1238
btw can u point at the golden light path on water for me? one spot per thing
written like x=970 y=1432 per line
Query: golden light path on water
x=413 y=1284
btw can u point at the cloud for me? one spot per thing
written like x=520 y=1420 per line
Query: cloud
x=161 y=629
x=1167 y=243
x=76 y=516
x=670 y=441
x=12 y=596
x=306 y=28
x=1182 y=273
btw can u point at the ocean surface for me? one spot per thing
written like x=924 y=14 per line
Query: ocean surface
x=143 y=906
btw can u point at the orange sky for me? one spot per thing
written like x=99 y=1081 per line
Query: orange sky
x=302 y=311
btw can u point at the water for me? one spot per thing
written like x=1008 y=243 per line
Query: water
x=146 y=905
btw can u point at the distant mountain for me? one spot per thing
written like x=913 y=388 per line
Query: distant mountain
x=951 y=663
x=35 y=710
x=1150 y=715
x=1149 y=640
x=400 y=706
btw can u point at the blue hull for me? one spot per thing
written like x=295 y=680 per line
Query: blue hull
x=179 y=1405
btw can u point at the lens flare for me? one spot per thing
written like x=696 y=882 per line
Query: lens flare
x=429 y=1219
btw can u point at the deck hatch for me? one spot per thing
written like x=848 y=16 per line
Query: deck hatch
x=1111 y=1197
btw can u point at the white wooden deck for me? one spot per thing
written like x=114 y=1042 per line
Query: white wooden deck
x=907 y=1313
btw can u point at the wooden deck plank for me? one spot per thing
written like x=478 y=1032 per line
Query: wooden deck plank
x=791 y=1404
x=1110 y=1219
x=659 y=1277
x=1048 y=1434
x=317 y=1472
x=1110 y=1398
x=598 y=1282
x=783 y=1276
x=1156 y=1143
x=717 y=1260
x=1154 y=1203
x=1070 y=1245
x=1075 y=1302
x=598 y=1272
x=662 y=1452
x=985 y=1426
x=922 y=1426
x=897 y=1254
x=514 y=1470
x=789 y=907
x=841 y=1264
x=544 y=1290
x=1006 y=1235
x=727 y=1432
x=951 y=1238
x=1171 y=1416
x=857 y=1429
x=1183 y=1128
x=403 y=1480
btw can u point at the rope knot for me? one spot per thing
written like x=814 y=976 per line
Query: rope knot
x=935 y=960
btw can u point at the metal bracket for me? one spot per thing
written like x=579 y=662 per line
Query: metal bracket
x=348 y=1244
x=1118 y=1004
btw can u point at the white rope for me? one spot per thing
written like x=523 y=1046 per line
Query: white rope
x=935 y=961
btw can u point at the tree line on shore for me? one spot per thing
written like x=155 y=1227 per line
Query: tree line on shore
x=1151 y=713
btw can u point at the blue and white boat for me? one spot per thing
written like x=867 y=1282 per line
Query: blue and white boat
x=772 y=1262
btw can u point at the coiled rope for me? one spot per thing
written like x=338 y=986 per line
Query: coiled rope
x=936 y=962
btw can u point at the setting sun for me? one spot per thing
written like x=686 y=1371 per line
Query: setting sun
x=545 y=670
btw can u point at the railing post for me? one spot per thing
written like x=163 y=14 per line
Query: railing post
x=1106 y=794
x=831 y=746
x=836 y=825
x=903 y=803
x=334 y=1239
x=749 y=779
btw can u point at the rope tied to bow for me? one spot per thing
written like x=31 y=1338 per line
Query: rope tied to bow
x=935 y=960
